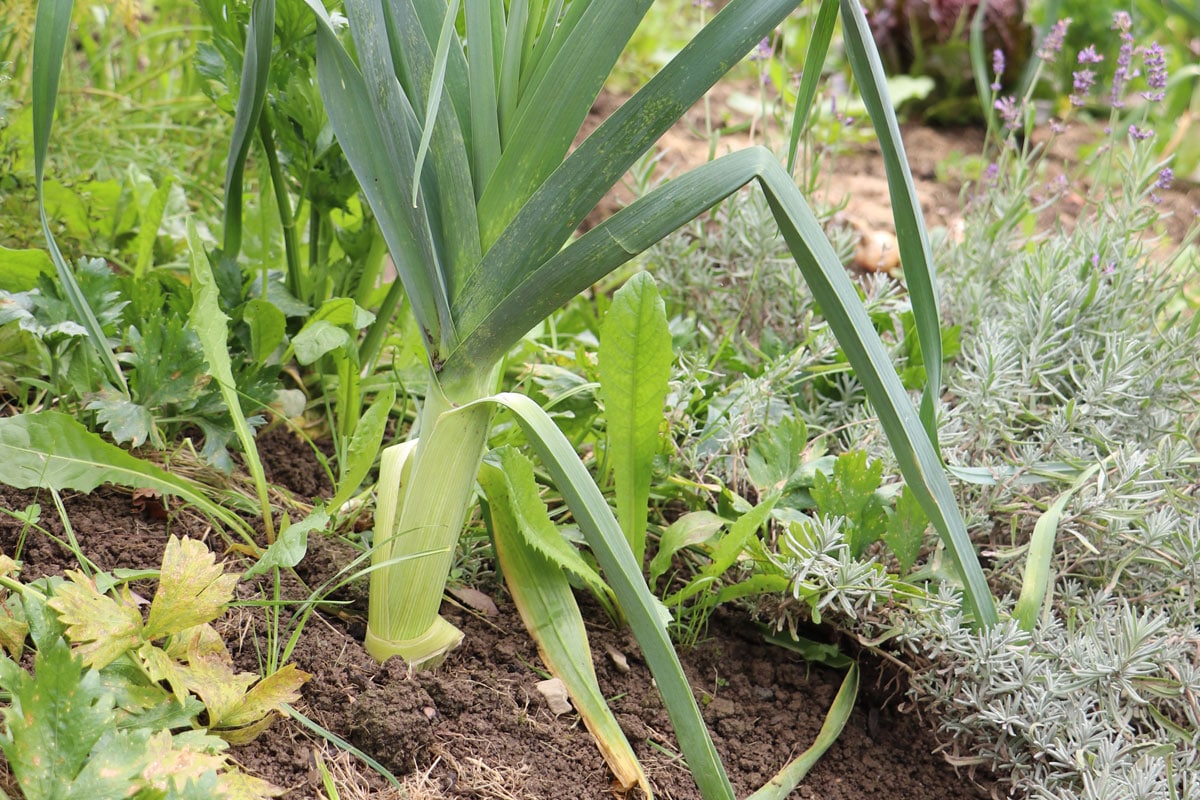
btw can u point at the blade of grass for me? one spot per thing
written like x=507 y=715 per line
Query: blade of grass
x=790 y=776
x=49 y=43
x=1036 y=581
x=814 y=59
x=252 y=96
x=906 y=208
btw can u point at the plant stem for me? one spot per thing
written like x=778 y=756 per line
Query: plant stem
x=282 y=199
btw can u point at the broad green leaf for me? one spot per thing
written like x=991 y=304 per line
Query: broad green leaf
x=547 y=606
x=635 y=367
x=728 y=549
x=212 y=328
x=52 y=450
x=20 y=269
x=691 y=529
x=150 y=220
x=816 y=652
x=192 y=589
x=292 y=544
x=364 y=447
x=906 y=529
x=267 y=328
x=56 y=718
x=1037 y=579
x=319 y=338
x=101 y=629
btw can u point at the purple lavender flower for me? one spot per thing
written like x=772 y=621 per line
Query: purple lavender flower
x=1088 y=55
x=1156 y=72
x=702 y=3
x=997 y=68
x=762 y=50
x=1166 y=177
x=1010 y=112
x=1124 y=72
x=1140 y=134
x=991 y=173
x=1084 y=79
x=1053 y=43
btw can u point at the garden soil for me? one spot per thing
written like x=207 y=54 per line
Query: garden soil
x=477 y=727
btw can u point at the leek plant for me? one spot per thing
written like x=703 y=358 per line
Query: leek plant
x=459 y=127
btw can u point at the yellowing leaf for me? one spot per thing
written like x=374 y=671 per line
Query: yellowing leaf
x=203 y=638
x=213 y=679
x=240 y=786
x=100 y=627
x=192 y=589
x=169 y=761
x=281 y=686
x=162 y=668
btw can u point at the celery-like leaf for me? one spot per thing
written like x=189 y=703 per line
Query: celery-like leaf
x=850 y=493
x=101 y=628
x=906 y=529
x=192 y=589
x=60 y=736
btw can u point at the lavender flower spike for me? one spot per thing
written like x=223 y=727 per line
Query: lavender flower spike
x=1053 y=43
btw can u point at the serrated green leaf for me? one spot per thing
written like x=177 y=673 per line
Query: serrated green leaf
x=125 y=421
x=635 y=367
x=776 y=454
x=543 y=597
x=212 y=327
x=100 y=628
x=214 y=680
x=906 y=529
x=56 y=717
x=850 y=493
x=192 y=589
x=265 y=698
x=534 y=523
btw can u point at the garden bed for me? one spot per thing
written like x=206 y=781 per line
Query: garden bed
x=477 y=727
